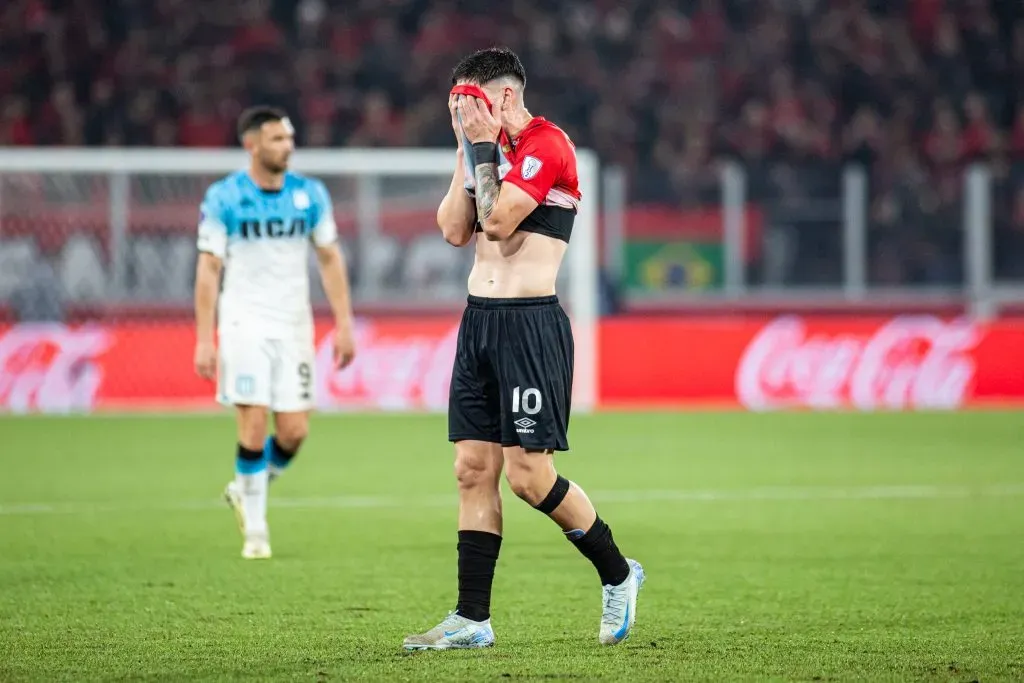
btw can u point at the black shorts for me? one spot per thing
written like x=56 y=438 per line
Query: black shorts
x=512 y=380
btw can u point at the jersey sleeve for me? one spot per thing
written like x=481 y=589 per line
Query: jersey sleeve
x=325 y=230
x=213 y=220
x=540 y=161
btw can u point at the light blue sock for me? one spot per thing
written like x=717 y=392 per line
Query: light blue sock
x=249 y=462
x=251 y=476
x=277 y=458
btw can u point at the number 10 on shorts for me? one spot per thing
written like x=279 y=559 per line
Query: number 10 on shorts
x=529 y=399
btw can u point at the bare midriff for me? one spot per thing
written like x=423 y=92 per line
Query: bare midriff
x=524 y=265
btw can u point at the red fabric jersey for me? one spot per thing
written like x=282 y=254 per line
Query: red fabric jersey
x=543 y=162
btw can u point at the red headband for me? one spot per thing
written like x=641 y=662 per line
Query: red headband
x=472 y=91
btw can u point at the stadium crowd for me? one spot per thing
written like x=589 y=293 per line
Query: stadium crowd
x=913 y=89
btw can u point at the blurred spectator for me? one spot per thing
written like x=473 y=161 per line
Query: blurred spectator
x=15 y=127
x=911 y=89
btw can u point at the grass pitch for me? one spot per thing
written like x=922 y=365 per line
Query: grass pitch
x=781 y=547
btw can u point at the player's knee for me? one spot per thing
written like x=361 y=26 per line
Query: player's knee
x=252 y=438
x=475 y=467
x=529 y=476
x=291 y=435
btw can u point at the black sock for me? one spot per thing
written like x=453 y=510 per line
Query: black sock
x=276 y=453
x=248 y=461
x=598 y=546
x=278 y=459
x=478 y=555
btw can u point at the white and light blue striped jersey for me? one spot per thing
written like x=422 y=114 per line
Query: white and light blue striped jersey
x=263 y=236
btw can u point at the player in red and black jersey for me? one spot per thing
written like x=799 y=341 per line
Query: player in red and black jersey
x=515 y=187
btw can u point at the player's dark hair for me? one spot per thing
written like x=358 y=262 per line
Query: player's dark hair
x=253 y=118
x=486 y=65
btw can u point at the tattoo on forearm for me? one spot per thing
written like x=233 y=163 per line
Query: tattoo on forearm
x=487 y=187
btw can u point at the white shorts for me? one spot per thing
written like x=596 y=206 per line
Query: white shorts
x=277 y=373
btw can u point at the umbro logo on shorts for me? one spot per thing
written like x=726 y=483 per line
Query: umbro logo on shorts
x=524 y=425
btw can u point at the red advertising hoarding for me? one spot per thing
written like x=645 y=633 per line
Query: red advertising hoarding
x=791 y=362
x=403 y=364
x=895 y=363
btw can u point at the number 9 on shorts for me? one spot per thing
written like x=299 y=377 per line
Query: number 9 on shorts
x=276 y=373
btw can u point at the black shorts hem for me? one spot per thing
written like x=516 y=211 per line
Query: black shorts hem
x=535 y=447
x=454 y=438
x=462 y=436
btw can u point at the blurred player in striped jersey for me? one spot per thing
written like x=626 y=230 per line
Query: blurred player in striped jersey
x=255 y=227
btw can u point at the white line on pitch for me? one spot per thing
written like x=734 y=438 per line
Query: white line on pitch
x=782 y=493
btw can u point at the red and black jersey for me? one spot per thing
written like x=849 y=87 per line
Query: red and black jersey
x=542 y=163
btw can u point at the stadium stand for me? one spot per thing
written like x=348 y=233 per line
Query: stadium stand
x=913 y=89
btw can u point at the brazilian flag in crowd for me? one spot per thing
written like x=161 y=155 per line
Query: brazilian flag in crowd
x=672 y=249
x=673 y=264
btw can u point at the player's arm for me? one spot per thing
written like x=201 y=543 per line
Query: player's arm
x=335 y=280
x=500 y=206
x=212 y=244
x=208 y=270
x=334 y=276
x=456 y=215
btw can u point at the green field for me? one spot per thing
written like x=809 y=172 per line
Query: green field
x=777 y=547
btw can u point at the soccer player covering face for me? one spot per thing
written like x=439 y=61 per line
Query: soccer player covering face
x=255 y=227
x=512 y=379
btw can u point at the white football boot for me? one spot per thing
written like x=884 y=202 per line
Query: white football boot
x=256 y=546
x=618 y=606
x=454 y=633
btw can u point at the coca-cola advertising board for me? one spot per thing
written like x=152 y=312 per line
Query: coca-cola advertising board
x=402 y=364
x=896 y=363
x=792 y=362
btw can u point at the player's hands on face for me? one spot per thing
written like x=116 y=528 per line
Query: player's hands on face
x=480 y=123
x=206 y=360
x=453 y=107
x=344 y=347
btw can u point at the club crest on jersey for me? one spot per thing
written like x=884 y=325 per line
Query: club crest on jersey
x=300 y=199
x=531 y=167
